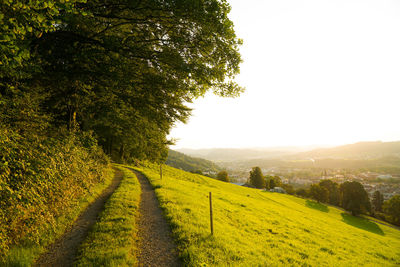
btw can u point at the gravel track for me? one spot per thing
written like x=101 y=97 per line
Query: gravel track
x=63 y=252
x=156 y=246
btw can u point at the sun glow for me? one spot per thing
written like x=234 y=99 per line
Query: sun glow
x=315 y=72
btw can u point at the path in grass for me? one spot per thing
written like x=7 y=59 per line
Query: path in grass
x=156 y=246
x=64 y=251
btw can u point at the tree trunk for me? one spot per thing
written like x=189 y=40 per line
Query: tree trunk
x=121 y=151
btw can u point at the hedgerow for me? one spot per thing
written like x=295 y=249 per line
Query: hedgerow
x=42 y=178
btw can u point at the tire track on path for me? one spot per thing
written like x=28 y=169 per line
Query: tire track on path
x=156 y=245
x=63 y=252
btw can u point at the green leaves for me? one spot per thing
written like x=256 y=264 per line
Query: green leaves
x=22 y=20
x=122 y=70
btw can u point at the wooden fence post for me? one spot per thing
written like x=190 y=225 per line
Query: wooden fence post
x=211 y=216
x=161 y=171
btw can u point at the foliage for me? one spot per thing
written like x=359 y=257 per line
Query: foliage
x=181 y=161
x=112 y=240
x=257 y=228
x=392 y=208
x=20 y=22
x=319 y=193
x=223 y=176
x=288 y=188
x=40 y=180
x=273 y=181
x=256 y=178
x=77 y=73
x=354 y=198
x=333 y=191
x=377 y=201
x=116 y=67
x=301 y=192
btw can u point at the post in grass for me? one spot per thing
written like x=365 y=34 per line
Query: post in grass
x=161 y=171
x=211 y=216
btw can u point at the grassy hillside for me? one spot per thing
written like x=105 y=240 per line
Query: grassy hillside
x=191 y=164
x=261 y=228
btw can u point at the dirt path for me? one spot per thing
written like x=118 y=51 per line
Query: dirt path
x=156 y=246
x=63 y=251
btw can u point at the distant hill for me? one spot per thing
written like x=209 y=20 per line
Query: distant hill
x=235 y=154
x=362 y=150
x=190 y=164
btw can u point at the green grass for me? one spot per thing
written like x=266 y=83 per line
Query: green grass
x=258 y=228
x=112 y=241
x=27 y=253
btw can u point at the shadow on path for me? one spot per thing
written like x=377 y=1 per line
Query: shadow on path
x=317 y=206
x=362 y=223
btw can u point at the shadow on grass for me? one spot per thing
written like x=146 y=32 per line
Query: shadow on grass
x=316 y=206
x=362 y=223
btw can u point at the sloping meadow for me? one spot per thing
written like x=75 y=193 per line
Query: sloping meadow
x=254 y=227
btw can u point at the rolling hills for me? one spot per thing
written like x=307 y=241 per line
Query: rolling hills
x=235 y=154
x=356 y=151
x=361 y=150
x=190 y=164
x=257 y=228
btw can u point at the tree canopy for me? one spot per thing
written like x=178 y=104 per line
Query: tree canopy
x=392 y=208
x=273 y=181
x=256 y=178
x=223 y=176
x=377 y=201
x=75 y=74
x=333 y=191
x=319 y=193
x=354 y=198
x=122 y=69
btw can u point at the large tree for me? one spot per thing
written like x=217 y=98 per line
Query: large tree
x=319 y=193
x=20 y=22
x=256 y=178
x=273 y=181
x=333 y=190
x=377 y=201
x=354 y=198
x=131 y=65
x=392 y=208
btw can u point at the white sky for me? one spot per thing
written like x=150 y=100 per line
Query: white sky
x=315 y=72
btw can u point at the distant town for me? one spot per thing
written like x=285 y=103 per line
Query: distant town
x=387 y=184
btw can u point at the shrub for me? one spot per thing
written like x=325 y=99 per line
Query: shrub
x=223 y=176
x=42 y=178
x=301 y=192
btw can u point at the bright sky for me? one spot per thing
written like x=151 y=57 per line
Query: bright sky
x=315 y=72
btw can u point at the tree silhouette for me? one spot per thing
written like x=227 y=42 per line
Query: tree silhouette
x=354 y=198
x=333 y=189
x=256 y=178
x=392 y=208
x=319 y=193
x=377 y=201
x=223 y=176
